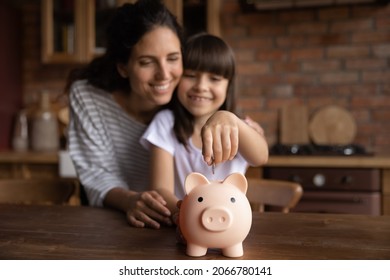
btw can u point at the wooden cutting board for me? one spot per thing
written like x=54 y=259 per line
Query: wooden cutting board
x=294 y=125
x=332 y=125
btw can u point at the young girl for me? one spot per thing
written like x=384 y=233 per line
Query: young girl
x=204 y=93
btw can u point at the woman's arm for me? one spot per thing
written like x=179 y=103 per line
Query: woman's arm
x=224 y=134
x=92 y=154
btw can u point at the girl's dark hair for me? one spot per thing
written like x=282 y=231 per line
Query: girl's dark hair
x=127 y=26
x=205 y=53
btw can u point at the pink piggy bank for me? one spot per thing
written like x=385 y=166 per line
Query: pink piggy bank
x=215 y=214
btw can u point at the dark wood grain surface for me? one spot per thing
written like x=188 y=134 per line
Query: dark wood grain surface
x=66 y=232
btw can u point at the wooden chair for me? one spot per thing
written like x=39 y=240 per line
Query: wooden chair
x=283 y=195
x=39 y=191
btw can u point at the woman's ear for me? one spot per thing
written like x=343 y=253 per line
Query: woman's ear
x=122 y=70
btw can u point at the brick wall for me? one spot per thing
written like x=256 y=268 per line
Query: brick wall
x=316 y=57
x=312 y=56
x=10 y=69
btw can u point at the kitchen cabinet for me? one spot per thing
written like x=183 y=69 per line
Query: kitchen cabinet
x=38 y=167
x=196 y=16
x=363 y=163
x=73 y=30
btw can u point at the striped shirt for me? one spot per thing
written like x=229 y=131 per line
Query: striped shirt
x=103 y=142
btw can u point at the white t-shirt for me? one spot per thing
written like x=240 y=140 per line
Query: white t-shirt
x=160 y=133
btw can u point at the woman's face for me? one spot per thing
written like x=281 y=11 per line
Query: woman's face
x=154 y=67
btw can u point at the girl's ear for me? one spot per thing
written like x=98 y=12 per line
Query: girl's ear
x=122 y=70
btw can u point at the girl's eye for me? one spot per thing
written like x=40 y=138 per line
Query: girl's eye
x=200 y=199
x=215 y=78
x=232 y=199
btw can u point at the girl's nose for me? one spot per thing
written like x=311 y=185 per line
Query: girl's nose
x=201 y=84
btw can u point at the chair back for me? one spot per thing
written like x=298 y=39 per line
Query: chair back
x=277 y=193
x=39 y=191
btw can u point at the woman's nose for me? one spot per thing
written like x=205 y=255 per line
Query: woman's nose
x=162 y=71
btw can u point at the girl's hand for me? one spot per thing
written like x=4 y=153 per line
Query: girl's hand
x=220 y=137
x=147 y=209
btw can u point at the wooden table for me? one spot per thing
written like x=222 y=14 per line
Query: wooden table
x=66 y=232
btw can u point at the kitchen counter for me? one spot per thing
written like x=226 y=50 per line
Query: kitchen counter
x=28 y=157
x=382 y=162
x=28 y=165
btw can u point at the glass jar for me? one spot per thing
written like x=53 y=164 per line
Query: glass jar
x=20 y=134
x=44 y=135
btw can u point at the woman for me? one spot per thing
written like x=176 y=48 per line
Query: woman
x=113 y=99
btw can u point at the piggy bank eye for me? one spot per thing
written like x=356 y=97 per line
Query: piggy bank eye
x=200 y=199
x=232 y=199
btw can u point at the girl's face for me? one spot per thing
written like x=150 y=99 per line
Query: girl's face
x=202 y=93
x=154 y=68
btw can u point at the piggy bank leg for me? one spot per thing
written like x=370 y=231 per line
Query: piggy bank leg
x=234 y=251
x=194 y=250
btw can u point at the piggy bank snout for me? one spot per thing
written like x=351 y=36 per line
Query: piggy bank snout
x=216 y=218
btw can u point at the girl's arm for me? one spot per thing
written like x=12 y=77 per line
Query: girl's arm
x=224 y=134
x=162 y=176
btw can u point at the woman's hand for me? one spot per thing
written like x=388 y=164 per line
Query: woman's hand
x=142 y=209
x=220 y=137
x=148 y=209
x=255 y=125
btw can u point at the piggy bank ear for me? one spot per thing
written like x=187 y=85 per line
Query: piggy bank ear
x=193 y=180
x=238 y=180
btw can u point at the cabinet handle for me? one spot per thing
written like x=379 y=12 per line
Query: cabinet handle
x=296 y=179
x=346 y=179
x=319 y=180
x=351 y=200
